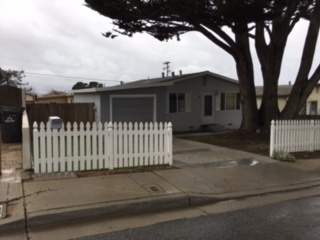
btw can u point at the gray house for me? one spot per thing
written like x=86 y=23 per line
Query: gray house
x=189 y=101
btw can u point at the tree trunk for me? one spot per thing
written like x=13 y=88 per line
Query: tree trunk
x=249 y=122
x=248 y=98
x=270 y=57
x=269 y=109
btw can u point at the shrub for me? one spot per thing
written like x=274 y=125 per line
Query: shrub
x=283 y=156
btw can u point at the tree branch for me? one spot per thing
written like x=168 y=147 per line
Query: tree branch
x=261 y=45
x=267 y=28
x=215 y=40
x=310 y=45
x=315 y=78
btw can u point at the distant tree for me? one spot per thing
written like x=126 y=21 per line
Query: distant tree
x=267 y=22
x=2 y=76
x=95 y=85
x=82 y=85
x=13 y=78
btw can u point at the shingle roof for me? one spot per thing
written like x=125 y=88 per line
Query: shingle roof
x=55 y=93
x=156 y=82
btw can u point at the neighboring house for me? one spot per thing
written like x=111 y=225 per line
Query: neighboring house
x=55 y=97
x=189 y=101
x=30 y=98
x=311 y=107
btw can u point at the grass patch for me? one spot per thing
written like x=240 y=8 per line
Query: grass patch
x=283 y=156
x=256 y=143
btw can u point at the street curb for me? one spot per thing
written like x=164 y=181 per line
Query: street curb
x=12 y=223
x=142 y=205
x=109 y=209
x=198 y=199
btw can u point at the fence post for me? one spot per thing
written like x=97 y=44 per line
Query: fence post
x=272 y=137
x=36 y=147
x=169 y=135
x=312 y=135
x=110 y=156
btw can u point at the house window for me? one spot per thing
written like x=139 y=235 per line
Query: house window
x=230 y=101
x=177 y=102
x=313 y=108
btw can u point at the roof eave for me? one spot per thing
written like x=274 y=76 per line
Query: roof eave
x=207 y=73
x=121 y=87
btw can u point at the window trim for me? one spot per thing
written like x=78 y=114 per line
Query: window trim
x=223 y=102
x=186 y=102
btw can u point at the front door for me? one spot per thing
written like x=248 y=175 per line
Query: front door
x=207 y=109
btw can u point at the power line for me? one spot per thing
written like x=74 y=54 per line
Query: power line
x=69 y=77
x=60 y=66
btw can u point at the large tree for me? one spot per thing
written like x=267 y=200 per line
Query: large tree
x=13 y=78
x=267 y=22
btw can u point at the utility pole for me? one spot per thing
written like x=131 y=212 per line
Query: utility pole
x=167 y=67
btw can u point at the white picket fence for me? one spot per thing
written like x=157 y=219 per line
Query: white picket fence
x=294 y=135
x=100 y=146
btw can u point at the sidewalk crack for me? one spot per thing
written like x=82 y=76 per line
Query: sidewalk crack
x=25 y=212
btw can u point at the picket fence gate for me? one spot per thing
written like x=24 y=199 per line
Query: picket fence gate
x=100 y=146
x=294 y=135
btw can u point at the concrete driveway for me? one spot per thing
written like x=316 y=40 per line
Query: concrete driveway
x=188 y=154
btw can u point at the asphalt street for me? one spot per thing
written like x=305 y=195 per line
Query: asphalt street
x=296 y=219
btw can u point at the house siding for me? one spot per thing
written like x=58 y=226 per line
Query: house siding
x=187 y=121
x=314 y=97
x=231 y=119
x=190 y=118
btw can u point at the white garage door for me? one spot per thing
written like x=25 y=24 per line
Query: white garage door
x=133 y=109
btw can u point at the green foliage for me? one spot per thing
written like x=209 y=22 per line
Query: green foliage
x=13 y=78
x=165 y=19
x=95 y=85
x=82 y=85
x=283 y=156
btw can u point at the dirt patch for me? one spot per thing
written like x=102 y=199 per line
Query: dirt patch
x=306 y=155
x=96 y=173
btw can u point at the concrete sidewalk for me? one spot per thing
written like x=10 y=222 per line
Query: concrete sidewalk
x=205 y=174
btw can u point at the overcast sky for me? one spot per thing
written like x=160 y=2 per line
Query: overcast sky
x=63 y=38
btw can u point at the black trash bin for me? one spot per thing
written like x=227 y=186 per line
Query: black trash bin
x=11 y=124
